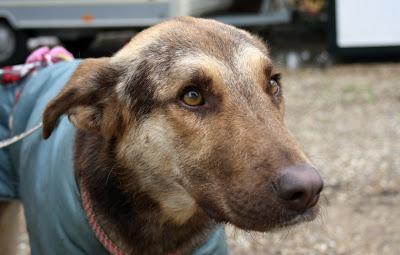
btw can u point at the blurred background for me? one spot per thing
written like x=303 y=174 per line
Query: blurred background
x=341 y=75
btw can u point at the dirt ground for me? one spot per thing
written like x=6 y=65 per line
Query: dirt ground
x=348 y=119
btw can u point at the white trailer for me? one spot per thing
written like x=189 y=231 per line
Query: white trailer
x=364 y=28
x=47 y=14
x=77 y=19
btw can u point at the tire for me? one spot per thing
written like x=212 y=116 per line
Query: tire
x=13 y=45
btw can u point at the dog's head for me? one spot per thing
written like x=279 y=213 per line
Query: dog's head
x=195 y=111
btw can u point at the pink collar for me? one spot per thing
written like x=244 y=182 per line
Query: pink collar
x=101 y=235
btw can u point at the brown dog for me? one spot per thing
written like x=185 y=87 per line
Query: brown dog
x=183 y=129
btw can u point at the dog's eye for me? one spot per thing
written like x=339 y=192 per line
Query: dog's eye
x=274 y=86
x=192 y=97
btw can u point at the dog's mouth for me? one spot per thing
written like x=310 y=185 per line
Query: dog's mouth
x=264 y=221
x=296 y=218
x=278 y=220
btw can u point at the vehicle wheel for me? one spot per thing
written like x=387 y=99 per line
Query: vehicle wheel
x=13 y=45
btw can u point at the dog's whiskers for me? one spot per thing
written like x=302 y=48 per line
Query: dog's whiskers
x=109 y=173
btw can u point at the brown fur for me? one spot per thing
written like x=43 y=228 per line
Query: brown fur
x=161 y=174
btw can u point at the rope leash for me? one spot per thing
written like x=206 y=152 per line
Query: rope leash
x=14 y=139
x=12 y=75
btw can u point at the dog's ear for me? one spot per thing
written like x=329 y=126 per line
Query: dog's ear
x=88 y=99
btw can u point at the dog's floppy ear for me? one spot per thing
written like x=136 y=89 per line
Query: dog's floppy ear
x=87 y=99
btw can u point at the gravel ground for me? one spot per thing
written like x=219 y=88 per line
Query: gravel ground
x=347 y=118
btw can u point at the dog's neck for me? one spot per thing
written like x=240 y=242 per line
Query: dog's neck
x=131 y=220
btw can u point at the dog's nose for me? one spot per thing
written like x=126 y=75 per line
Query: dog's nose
x=299 y=187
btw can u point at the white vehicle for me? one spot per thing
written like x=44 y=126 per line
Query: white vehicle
x=76 y=22
x=364 y=28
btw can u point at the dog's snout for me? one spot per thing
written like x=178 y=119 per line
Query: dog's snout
x=299 y=187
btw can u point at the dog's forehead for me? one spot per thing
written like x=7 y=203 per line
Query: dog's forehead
x=187 y=35
x=246 y=62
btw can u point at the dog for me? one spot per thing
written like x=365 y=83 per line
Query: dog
x=152 y=150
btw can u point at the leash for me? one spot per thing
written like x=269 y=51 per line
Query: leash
x=11 y=75
x=9 y=141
